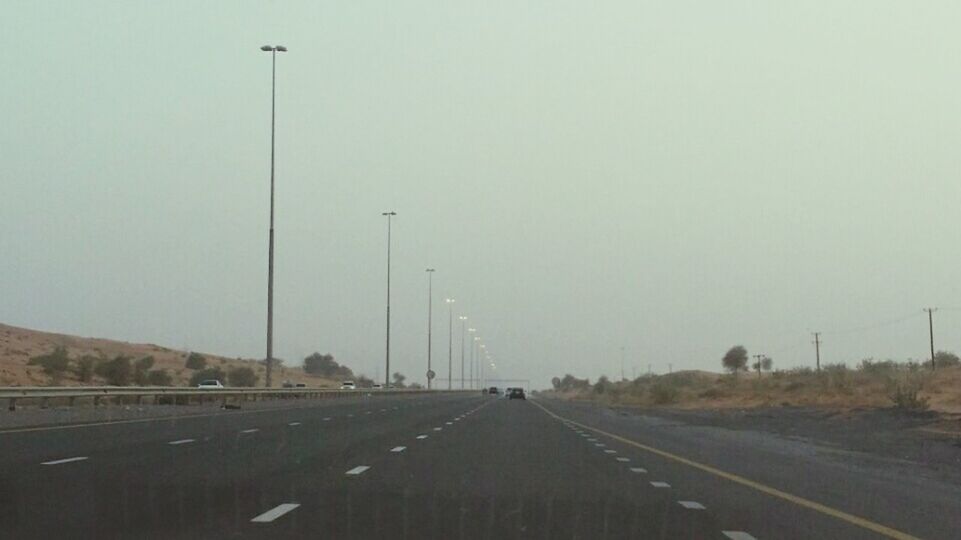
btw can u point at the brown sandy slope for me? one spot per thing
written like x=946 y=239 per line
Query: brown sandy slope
x=18 y=345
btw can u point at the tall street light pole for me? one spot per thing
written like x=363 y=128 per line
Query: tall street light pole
x=463 y=321
x=430 y=300
x=389 y=215
x=273 y=50
x=450 y=343
x=472 y=341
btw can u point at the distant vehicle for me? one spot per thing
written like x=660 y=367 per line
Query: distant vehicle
x=288 y=384
x=378 y=387
x=210 y=384
x=301 y=385
x=348 y=385
x=517 y=393
x=493 y=390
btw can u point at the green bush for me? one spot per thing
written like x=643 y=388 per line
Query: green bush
x=159 y=377
x=906 y=396
x=207 y=373
x=53 y=363
x=242 y=376
x=117 y=372
x=195 y=361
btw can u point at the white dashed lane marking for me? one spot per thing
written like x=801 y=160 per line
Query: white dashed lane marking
x=692 y=505
x=181 y=441
x=623 y=459
x=65 y=460
x=251 y=430
x=738 y=535
x=274 y=513
x=357 y=470
x=438 y=429
x=398 y=449
x=660 y=484
x=422 y=436
x=294 y=424
x=327 y=419
x=638 y=470
x=610 y=451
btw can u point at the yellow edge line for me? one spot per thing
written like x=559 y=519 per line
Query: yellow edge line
x=800 y=501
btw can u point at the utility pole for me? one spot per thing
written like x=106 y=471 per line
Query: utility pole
x=757 y=359
x=463 y=321
x=622 y=363
x=450 y=344
x=817 y=348
x=388 y=215
x=430 y=326
x=273 y=50
x=931 y=332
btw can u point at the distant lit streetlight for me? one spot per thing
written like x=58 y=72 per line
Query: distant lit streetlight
x=273 y=50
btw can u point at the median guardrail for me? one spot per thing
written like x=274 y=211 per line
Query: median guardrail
x=180 y=395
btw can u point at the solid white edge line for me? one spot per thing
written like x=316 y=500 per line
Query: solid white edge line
x=181 y=441
x=738 y=535
x=65 y=460
x=274 y=513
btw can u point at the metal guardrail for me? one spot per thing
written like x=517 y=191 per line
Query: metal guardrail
x=14 y=394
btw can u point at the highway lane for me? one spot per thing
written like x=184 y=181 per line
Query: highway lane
x=456 y=466
x=134 y=482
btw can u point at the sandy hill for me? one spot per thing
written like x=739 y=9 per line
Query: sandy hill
x=19 y=345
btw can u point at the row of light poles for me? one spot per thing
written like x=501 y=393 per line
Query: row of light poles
x=273 y=50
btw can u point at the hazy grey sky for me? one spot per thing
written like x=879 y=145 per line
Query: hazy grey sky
x=670 y=177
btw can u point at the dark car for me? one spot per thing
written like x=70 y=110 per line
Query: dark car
x=493 y=390
x=517 y=393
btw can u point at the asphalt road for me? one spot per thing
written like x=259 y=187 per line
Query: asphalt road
x=449 y=466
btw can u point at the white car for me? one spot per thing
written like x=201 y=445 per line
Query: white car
x=210 y=384
x=348 y=385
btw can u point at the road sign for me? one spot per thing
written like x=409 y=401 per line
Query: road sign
x=431 y=374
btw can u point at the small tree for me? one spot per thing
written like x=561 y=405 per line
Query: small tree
x=195 y=361
x=117 y=372
x=140 y=369
x=85 y=367
x=399 y=379
x=206 y=374
x=242 y=376
x=767 y=364
x=53 y=363
x=324 y=365
x=556 y=383
x=735 y=359
x=159 y=377
x=945 y=359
